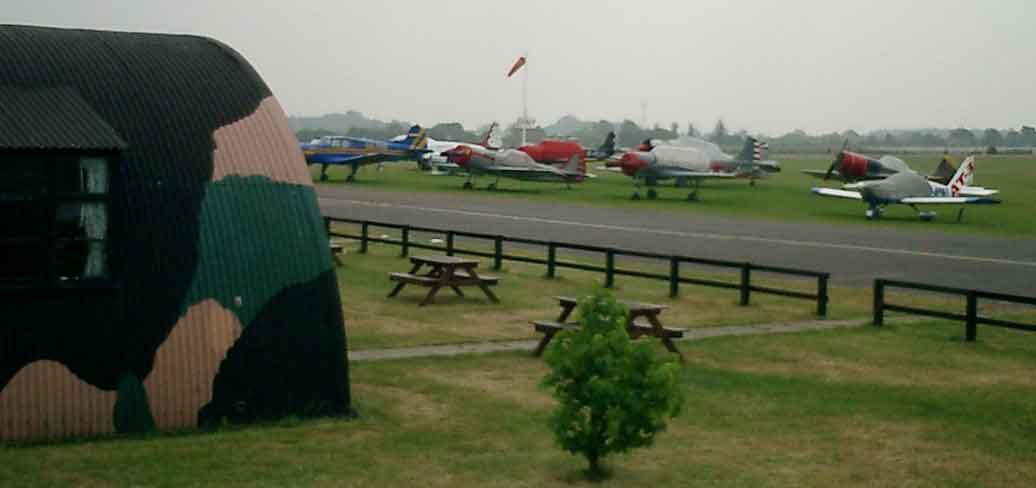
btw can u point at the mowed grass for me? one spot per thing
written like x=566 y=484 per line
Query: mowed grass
x=898 y=406
x=374 y=321
x=784 y=196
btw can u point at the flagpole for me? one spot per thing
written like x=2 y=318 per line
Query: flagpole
x=525 y=100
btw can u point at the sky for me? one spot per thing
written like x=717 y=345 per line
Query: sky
x=768 y=67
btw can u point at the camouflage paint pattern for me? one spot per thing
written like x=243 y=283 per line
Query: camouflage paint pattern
x=224 y=302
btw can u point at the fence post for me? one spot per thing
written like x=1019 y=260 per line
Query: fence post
x=674 y=277
x=609 y=268
x=746 y=283
x=498 y=252
x=879 y=303
x=822 y=294
x=552 y=251
x=405 y=246
x=971 y=330
x=449 y=243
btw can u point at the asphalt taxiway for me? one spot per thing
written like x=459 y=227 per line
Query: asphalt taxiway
x=853 y=254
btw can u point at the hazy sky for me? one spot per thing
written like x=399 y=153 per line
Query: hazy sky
x=767 y=67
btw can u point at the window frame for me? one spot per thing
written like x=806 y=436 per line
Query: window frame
x=52 y=199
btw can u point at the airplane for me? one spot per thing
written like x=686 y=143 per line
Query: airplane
x=357 y=151
x=849 y=166
x=653 y=162
x=913 y=189
x=436 y=161
x=511 y=163
x=605 y=150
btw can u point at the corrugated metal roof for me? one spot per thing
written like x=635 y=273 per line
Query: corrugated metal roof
x=52 y=118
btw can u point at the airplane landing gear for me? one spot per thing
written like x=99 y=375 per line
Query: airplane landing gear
x=652 y=194
x=468 y=185
x=873 y=212
x=751 y=182
x=636 y=196
x=960 y=214
x=323 y=172
x=352 y=176
x=926 y=216
x=692 y=196
x=491 y=186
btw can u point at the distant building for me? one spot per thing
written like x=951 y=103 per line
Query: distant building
x=163 y=261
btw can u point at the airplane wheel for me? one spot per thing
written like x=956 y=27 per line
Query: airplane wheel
x=350 y=178
x=636 y=196
x=468 y=185
x=491 y=187
x=323 y=178
x=692 y=196
x=927 y=216
x=751 y=182
x=652 y=194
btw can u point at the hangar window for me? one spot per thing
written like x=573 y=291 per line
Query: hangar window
x=54 y=209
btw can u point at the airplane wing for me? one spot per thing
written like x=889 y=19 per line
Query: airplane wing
x=977 y=191
x=946 y=200
x=343 y=159
x=822 y=173
x=696 y=174
x=831 y=192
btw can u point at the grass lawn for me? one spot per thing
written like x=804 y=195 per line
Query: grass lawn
x=374 y=321
x=900 y=406
x=784 y=196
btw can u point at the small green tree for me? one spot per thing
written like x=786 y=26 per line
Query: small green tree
x=613 y=395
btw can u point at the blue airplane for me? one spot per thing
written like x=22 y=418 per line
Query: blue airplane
x=357 y=151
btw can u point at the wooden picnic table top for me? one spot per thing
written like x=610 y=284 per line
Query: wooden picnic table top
x=443 y=260
x=631 y=306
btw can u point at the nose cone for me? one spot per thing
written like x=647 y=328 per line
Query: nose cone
x=632 y=162
x=460 y=155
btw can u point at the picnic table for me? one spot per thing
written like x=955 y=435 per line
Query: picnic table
x=635 y=328
x=443 y=271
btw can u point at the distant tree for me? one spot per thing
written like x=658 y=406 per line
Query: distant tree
x=629 y=134
x=451 y=131
x=1028 y=135
x=675 y=129
x=306 y=135
x=890 y=140
x=1014 y=139
x=691 y=131
x=961 y=137
x=719 y=133
x=992 y=138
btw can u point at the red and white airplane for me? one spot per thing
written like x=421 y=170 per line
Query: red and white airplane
x=512 y=163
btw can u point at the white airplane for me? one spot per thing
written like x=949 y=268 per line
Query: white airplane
x=690 y=163
x=913 y=189
x=436 y=161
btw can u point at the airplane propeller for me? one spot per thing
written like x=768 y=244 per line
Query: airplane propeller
x=837 y=163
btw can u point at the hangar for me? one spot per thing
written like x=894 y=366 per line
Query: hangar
x=163 y=261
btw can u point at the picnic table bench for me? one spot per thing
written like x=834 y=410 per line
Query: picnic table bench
x=634 y=327
x=444 y=271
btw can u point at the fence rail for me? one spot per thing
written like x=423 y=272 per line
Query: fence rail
x=970 y=317
x=610 y=271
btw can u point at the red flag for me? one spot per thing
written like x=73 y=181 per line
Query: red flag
x=517 y=66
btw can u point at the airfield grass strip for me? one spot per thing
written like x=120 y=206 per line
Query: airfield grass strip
x=903 y=406
x=374 y=321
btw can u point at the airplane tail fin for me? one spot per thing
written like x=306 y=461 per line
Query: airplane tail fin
x=575 y=166
x=752 y=151
x=491 y=139
x=416 y=138
x=963 y=177
x=944 y=173
x=607 y=148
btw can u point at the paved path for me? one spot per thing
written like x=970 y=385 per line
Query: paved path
x=529 y=345
x=854 y=255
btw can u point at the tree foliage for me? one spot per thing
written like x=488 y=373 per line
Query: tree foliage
x=613 y=395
